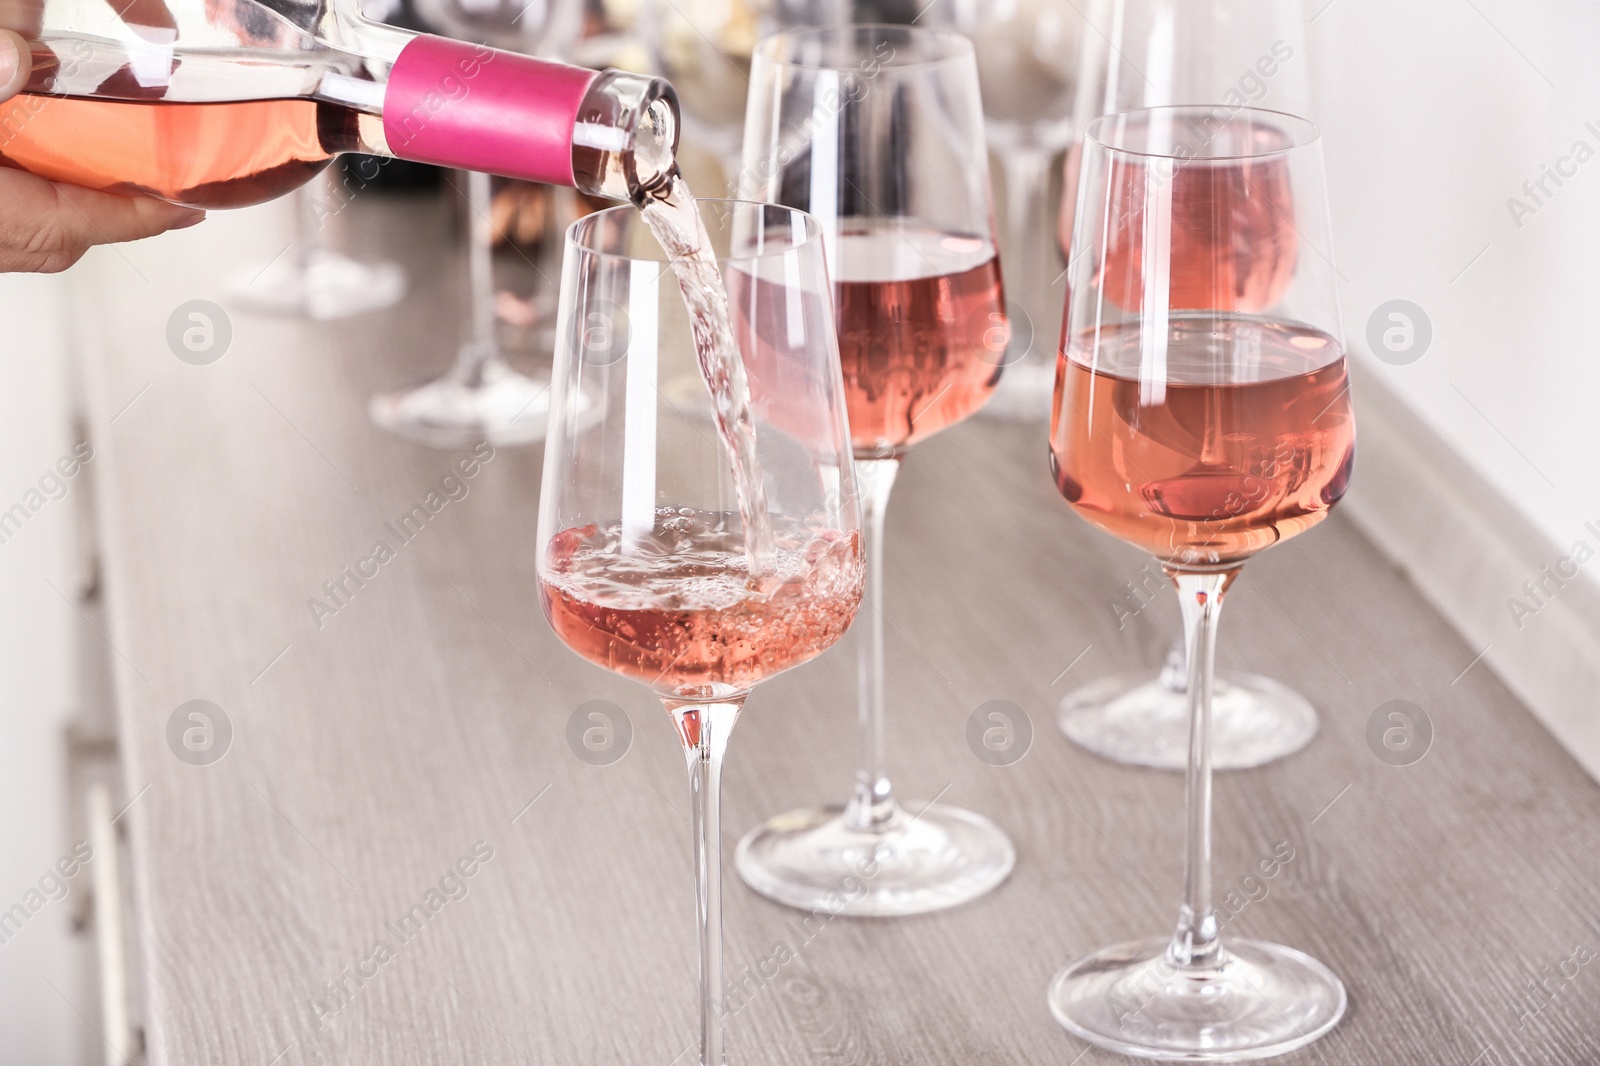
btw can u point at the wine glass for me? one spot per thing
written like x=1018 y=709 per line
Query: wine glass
x=644 y=565
x=1202 y=413
x=1147 y=53
x=481 y=397
x=313 y=279
x=875 y=130
x=704 y=50
x=1028 y=68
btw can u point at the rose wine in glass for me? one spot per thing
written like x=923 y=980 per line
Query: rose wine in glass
x=1234 y=54
x=912 y=350
x=919 y=310
x=680 y=609
x=646 y=565
x=889 y=166
x=1251 y=441
x=1245 y=265
x=1203 y=434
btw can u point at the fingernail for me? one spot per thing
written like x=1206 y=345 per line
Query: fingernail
x=194 y=219
x=10 y=59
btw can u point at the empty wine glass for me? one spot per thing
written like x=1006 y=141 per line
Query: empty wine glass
x=1202 y=413
x=644 y=566
x=704 y=50
x=1147 y=53
x=1027 y=54
x=312 y=278
x=482 y=397
x=875 y=130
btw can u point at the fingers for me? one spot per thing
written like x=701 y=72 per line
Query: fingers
x=90 y=217
x=47 y=227
x=15 y=64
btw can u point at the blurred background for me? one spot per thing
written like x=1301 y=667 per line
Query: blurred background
x=1461 y=143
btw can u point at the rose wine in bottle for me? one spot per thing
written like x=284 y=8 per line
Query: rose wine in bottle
x=212 y=155
x=229 y=126
x=1246 y=439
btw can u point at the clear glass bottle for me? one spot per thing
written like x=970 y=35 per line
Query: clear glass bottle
x=238 y=101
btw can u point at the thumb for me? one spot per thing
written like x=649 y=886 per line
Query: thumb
x=15 y=64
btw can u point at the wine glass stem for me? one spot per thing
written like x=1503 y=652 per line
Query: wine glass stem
x=1175 y=671
x=704 y=729
x=872 y=808
x=1195 y=943
x=480 y=348
x=1028 y=273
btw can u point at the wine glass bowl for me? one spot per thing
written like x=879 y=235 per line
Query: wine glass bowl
x=1027 y=56
x=613 y=595
x=1225 y=54
x=1203 y=419
x=872 y=128
x=1194 y=498
x=1163 y=343
x=1027 y=53
x=704 y=50
x=1251 y=193
x=650 y=563
x=919 y=307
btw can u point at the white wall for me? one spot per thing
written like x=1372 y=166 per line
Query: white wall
x=37 y=1025
x=1435 y=115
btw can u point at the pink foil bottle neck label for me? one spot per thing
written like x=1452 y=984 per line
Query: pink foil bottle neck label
x=476 y=108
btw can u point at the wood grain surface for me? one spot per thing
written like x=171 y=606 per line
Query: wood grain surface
x=428 y=716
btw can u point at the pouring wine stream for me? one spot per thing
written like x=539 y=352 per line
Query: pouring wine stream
x=670 y=210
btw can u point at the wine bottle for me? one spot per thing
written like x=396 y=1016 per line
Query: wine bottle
x=265 y=98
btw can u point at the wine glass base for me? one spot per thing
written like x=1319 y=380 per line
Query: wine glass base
x=1137 y=720
x=1261 y=1000
x=505 y=408
x=813 y=860
x=325 y=285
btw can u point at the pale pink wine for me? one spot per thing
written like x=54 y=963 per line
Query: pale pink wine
x=227 y=154
x=676 y=608
x=673 y=216
x=1244 y=437
x=922 y=330
x=1233 y=240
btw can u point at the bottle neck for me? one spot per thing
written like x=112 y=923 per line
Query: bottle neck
x=625 y=139
x=608 y=133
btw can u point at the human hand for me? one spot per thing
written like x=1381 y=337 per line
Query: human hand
x=46 y=226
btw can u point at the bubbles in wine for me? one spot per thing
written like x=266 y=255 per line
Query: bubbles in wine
x=677 y=609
